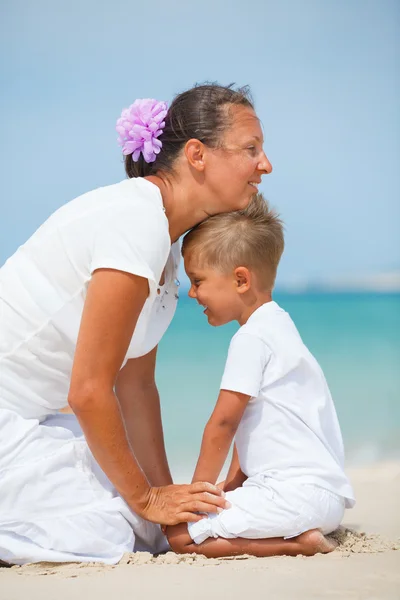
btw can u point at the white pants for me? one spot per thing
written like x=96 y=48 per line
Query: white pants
x=56 y=504
x=266 y=508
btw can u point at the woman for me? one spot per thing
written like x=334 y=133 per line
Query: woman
x=85 y=303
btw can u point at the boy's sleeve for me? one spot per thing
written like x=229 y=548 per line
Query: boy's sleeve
x=247 y=358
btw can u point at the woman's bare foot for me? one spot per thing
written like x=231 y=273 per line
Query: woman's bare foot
x=314 y=542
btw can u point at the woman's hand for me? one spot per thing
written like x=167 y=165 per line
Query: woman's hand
x=173 y=504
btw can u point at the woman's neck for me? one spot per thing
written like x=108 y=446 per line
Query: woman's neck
x=182 y=209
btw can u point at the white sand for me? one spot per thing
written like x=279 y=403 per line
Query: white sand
x=365 y=566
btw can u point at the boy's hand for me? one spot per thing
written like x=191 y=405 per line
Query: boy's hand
x=236 y=482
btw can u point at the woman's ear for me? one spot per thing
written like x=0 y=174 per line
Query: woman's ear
x=194 y=152
x=243 y=279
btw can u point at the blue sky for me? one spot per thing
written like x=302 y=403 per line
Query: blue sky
x=325 y=79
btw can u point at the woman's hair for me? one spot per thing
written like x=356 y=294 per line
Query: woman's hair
x=251 y=238
x=201 y=113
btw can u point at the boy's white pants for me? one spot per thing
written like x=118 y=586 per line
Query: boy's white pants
x=266 y=508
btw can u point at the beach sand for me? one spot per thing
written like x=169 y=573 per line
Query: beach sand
x=366 y=565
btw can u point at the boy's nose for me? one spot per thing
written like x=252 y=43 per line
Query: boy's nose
x=191 y=293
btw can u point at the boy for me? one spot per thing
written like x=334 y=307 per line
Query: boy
x=286 y=483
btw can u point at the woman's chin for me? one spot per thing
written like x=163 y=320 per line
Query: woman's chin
x=243 y=201
x=248 y=198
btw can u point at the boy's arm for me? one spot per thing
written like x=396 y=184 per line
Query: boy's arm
x=235 y=477
x=218 y=435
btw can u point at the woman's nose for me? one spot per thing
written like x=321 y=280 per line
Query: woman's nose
x=264 y=164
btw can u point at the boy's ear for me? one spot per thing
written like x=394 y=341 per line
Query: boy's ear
x=243 y=279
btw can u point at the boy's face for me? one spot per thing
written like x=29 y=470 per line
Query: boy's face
x=214 y=290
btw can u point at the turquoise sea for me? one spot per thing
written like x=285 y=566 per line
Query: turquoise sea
x=356 y=339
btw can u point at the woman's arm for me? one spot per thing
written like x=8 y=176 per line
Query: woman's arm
x=113 y=304
x=218 y=435
x=140 y=404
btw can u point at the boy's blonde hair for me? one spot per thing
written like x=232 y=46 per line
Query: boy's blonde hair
x=251 y=238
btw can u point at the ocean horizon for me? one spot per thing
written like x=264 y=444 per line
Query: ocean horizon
x=353 y=335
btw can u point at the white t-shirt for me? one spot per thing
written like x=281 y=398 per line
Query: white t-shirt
x=289 y=429
x=43 y=288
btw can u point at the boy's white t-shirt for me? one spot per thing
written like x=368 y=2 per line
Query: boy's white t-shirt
x=43 y=288
x=289 y=429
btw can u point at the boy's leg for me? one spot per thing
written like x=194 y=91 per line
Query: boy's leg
x=265 y=519
x=308 y=544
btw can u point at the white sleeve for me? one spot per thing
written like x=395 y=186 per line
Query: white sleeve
x=247 y=358
x=131 y=242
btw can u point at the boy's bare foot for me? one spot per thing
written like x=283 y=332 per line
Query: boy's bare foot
x=314 y=542
x=308 y=543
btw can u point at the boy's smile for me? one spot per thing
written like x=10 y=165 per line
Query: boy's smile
x=215 y=291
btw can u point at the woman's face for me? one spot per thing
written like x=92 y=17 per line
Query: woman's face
x=234 y=170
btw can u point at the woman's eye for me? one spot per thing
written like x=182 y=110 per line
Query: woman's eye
x=251 y=149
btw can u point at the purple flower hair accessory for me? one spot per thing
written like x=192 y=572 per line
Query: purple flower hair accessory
x=139 y=128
